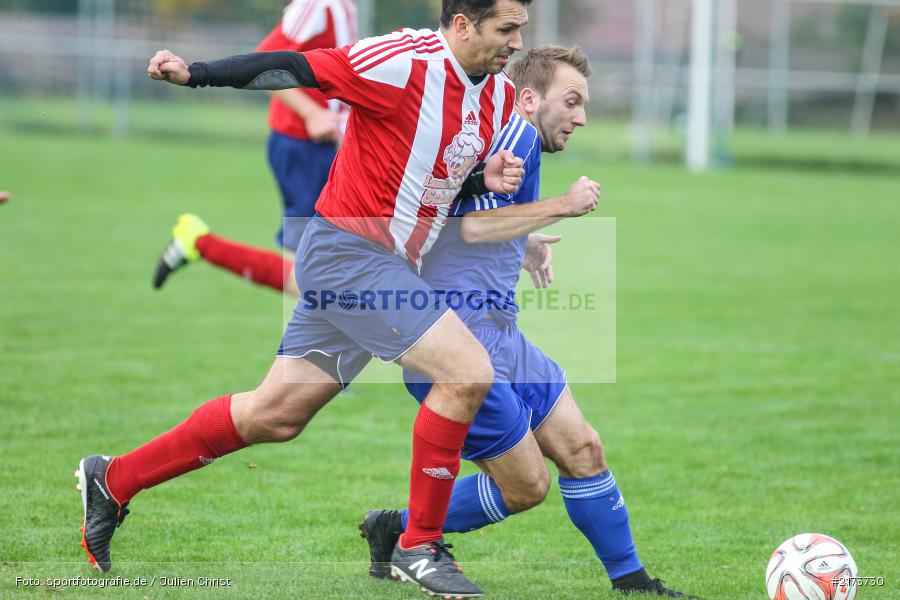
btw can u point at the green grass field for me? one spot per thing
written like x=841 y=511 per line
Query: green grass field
x=757 y=373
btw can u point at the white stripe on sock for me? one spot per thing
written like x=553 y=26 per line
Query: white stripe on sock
x=487 y=501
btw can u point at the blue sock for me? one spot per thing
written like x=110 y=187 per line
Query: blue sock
x=474 y=503
x=597 y=509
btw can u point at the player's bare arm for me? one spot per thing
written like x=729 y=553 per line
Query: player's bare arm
x=514 y=221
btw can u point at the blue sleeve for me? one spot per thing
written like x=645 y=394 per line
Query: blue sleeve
x=523 y=140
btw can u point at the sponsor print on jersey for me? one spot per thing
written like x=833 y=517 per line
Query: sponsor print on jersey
x=459 y=157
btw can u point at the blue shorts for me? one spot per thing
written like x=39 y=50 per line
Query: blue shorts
x=527 y=385
x=301 y=169
x=355 y=302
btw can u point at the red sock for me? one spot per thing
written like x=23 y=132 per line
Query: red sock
x=260 y=266
x=206 y=435
x=437 y=442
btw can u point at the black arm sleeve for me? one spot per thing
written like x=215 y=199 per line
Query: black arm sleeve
x=255 y=71
x=474 y=184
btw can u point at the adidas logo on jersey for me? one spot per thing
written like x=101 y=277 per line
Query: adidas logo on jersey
x=438 y=473
x=471 y=119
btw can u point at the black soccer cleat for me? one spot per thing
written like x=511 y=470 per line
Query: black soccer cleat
x=640 y=583
x=102 y=514
x=381 y=529
x=171 y=260
x=434 y=570
x=182 y=249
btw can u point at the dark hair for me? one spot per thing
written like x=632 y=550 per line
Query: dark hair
x=537 y=68
x=475 y=10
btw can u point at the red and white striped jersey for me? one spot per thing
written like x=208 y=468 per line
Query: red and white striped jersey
x=418 y=125
x=306 y=25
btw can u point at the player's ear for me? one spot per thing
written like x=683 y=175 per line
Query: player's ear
x=528 y=100
x=462 y=26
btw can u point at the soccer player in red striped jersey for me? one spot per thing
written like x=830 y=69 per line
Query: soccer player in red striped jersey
x=427 y=107
x=305 y=129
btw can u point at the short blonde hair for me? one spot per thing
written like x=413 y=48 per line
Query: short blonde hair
x=537 y=68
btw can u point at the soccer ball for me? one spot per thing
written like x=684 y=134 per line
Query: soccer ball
x=811 y=566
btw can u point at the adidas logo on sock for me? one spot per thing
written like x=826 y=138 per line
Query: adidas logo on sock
x=438 y=473
x=206 y=461
x=471 y=119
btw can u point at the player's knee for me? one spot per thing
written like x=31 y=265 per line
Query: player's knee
x=477 y=374
x=586 y=457
x=284 y=432
x=527 y=493
x=277 y=417
x=280 y=428
x=476 y=389
x=472 y=366
x=466 y=395
x=471 y=377
x=463 y=363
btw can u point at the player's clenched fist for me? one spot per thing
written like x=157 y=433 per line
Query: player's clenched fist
x=582 y=197
x=165 y=65
x=503 y=172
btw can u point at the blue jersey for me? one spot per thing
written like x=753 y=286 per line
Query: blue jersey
x=486 y=274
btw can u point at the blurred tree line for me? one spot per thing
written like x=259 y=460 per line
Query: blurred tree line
x=394 y=14
x=847 y=26
x=389 y=14
x=846 y=23
x=853 y=23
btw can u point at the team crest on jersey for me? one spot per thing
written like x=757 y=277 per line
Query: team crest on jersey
x=459 y=157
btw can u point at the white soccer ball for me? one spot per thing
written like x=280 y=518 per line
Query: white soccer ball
x=811 y=566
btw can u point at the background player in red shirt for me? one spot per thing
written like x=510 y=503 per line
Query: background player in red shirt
x=305 y=129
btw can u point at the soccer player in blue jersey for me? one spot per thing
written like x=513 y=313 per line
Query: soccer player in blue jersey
x=529 y=412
